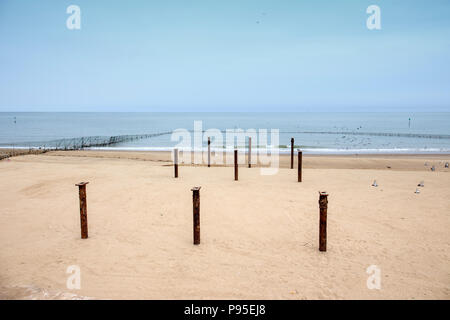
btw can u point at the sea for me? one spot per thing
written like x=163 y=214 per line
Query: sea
x=315 y=133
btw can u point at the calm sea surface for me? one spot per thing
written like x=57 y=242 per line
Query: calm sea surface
x=313 y=132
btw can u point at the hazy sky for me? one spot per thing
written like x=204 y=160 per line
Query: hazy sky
x=227 y=55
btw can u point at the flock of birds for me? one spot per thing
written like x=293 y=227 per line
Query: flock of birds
x=351 y=140
x=421 y=183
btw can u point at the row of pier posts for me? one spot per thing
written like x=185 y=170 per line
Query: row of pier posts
x=323 y=198
x=323 y=206
x=236 y=172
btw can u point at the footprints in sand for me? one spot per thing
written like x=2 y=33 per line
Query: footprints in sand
x=36 y=190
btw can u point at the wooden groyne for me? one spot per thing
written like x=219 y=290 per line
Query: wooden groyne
x=86 y=142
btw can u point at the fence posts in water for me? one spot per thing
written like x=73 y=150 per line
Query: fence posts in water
x=209 y=152
x=300 y=160
x=292 y=153
x=235 y=165
x=249 y=152
x=83 y=209
x=175 y=162
x=196 y=212
x=323 y=205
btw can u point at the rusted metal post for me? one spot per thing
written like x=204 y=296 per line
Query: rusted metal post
x=292 y=153
x=235 y=165
x=249 y=152
x=196 y=211
x=175 y=161
x=83 y=209
x=299 y=160
x=323 y=205
x=209 y=152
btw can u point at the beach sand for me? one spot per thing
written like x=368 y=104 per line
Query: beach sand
x=259 y=235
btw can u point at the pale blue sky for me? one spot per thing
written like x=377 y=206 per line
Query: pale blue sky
x=227 y=55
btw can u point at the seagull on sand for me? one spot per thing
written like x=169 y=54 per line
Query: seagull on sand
x=374 y=184
x=420 y=184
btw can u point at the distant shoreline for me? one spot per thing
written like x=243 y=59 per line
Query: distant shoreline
x=282 y=151
x=393 y=162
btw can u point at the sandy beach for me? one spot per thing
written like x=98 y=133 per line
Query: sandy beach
x=259 y=235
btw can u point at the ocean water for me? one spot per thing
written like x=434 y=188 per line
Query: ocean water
x=313 y=132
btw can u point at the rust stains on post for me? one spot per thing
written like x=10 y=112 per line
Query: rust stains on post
x=83 y=209
x=323 y=205
x=249 y=152
x=235 y=165
x=292 y=153
x=175 y=161
x=196 y=211
x=209 y=152
x=299 y=160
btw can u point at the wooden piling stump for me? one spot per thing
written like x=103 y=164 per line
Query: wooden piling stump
x=83 y=209
x=175 y=162
x=236 y=178
x=292 y=153
x=196 y=213
x=300 y=160
x=323 y=206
